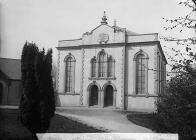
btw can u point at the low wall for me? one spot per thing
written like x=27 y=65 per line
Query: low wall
x=68 y=100
x=141 y=104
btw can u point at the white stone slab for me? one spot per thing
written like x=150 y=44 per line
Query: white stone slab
x=107 y=136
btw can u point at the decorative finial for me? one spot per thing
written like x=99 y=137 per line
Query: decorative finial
x=104 y=19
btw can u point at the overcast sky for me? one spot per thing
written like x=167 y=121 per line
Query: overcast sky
x=47 y=21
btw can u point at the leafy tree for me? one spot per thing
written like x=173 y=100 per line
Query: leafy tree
x=37 y=103
x=183 y=61
x=176 y=109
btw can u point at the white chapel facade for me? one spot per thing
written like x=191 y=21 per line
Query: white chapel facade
x=111 y=67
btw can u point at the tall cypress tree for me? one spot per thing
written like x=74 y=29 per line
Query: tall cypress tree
x=43 y=69
x=37 y=103
x=49 y=89
x=28 y=113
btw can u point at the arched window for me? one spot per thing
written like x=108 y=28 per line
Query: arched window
x=141 y=72
x=69 y=73
x=93 y=67
x=111 y=63
x=102 y=64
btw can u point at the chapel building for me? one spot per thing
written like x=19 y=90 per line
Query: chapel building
x=111 y=67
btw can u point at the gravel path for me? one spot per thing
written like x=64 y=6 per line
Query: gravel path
x=104 y=119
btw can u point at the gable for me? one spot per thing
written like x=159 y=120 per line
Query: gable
x=103 y=34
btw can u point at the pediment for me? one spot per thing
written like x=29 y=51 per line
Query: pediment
x=103 y=34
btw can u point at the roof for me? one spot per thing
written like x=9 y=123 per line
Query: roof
x=11 y=68
x=128 y=32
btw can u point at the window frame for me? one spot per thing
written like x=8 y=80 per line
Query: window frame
x=93 y=67
x=146 y=58
x=111 y=69
x=140 y=74
x=102 y=64
x=102 y=67
x=72 y=74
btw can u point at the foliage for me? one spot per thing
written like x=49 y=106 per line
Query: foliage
x=37 y=103
x=183 y=24
x=176 y=109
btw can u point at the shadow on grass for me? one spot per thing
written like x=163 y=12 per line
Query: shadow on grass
x=12 y=129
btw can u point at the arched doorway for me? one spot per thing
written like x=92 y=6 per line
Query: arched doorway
x=93 y=95
x=1 y=92
x=108 y=99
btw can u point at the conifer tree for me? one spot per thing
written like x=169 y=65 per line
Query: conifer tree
x=37 y=103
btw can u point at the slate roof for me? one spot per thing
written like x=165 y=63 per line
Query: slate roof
x=11 y=68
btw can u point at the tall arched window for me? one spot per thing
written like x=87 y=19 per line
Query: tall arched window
x=111 y=66
x=93 y=67
x=141 y=72
x=69 y=73
x=102 y=64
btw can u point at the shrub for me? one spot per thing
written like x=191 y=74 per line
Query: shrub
x=176 y=110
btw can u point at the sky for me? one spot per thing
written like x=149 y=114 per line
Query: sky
x=44 y=22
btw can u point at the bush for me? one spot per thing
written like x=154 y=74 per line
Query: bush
x=176 y=110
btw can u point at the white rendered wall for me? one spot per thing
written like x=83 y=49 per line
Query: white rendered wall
x=114 y=37
x=63 y=98
x=131 y=51
x=88 y=47
x=145 y=102
x=142 y=104
x=68 y=100
x=142 y=38
x=116 y=53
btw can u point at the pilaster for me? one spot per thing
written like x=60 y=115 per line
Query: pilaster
x=123 y=78
x=102 y=98
x=82 y=78
x=114 y=98
x=58 y=66
x=155 y=71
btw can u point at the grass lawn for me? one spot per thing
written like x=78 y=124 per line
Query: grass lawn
x=143 y=119
x=12 y=129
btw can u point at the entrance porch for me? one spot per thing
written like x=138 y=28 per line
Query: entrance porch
x=102 y=97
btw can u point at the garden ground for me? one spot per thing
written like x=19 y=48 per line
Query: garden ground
x=12 y=129
x=79 y=120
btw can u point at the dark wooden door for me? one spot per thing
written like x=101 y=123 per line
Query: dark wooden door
x=108 y=100
x=94 y=96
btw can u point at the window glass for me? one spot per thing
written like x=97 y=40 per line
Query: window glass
x=69 y=71
x=140 y=74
